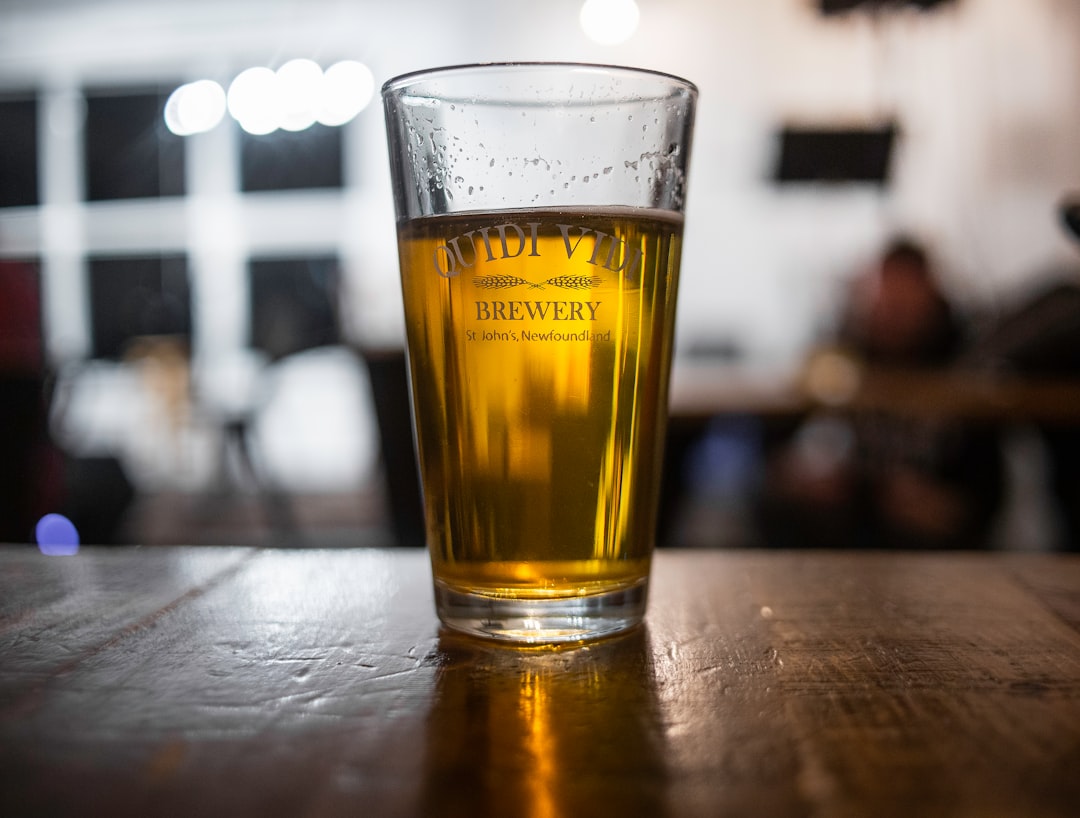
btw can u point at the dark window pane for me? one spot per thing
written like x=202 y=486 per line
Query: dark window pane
x=18 y=152
x=130 y=154
x=294 y=304
x=285 y=160
x=136 y=296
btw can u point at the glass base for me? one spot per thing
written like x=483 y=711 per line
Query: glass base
x=542 y=621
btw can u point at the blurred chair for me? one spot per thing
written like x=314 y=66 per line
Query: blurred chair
x=293 y=304
x=388 y=371
x=1040 y=337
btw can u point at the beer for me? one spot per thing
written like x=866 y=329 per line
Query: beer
x=539 y=210
x=539 y=345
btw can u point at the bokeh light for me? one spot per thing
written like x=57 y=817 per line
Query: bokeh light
x=299 y=89
x=347 y=88
x=56 y=536
x=195 y=107
x=262 y=100
x=609 y=22
x=253 y=100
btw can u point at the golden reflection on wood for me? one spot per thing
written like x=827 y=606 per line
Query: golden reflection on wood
x=540 y=744
x=543 y=733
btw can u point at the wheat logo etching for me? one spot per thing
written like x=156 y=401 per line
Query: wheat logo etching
x=566 y=282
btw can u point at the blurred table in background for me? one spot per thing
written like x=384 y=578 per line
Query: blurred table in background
x=231 y=681
x=718 y=409
x=701 y=390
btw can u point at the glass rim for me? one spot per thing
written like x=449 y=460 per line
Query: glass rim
x=404 y=80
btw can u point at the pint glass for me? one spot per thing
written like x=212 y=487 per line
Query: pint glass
x=539 y=222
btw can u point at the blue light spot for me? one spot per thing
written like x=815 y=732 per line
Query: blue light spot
x=57 y=536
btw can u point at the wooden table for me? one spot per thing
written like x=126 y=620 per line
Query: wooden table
x=237 y=682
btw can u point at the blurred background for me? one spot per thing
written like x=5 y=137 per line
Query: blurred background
x=200 y=320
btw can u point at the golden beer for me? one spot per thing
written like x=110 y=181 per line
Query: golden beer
x=539 y=210
x=539 y=344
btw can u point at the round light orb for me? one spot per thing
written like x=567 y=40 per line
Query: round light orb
x=195 y=107
x=299 y=85
x=609 y=22
x=56 y=536
x=254 y=101
x=347 y=89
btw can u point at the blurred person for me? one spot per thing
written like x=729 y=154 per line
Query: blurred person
x=36 y=476
x=881 y=479
x=30 y=467
x=896 y=313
